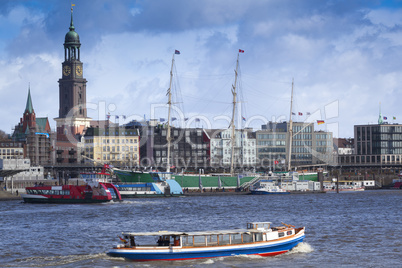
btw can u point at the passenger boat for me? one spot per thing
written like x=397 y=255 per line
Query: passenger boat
x=258 y=239
x=91 y=190
x=160 y=186
x=344 y=188
x=264 y=187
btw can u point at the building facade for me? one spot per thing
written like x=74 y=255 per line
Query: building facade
x=117 y=146
x=35 y=135
x=375 y=145
x=308 y=148
x=221 y=148
x=10 y=149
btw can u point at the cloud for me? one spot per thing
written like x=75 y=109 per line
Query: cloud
x=335 y=51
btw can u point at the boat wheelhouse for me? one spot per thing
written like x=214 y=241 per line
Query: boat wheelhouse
x=258 y=239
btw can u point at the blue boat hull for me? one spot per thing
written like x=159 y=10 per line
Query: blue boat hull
x=208 y=252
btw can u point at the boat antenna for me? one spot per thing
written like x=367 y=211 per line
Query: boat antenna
x=232 y=123
x=290 y=129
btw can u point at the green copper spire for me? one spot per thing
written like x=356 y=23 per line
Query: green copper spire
x=71 y=23
x=72 y=39
x=29 y=107
x=380 y=117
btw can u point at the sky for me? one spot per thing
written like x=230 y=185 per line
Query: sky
x=344 y=58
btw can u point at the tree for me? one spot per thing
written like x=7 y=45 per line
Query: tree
x=3 y=135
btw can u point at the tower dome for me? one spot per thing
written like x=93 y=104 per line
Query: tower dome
x=72 y=37
x=72 y=43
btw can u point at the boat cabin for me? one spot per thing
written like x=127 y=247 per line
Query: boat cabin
x=255 y=232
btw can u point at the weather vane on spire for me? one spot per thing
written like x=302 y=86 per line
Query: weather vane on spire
x=72 y=5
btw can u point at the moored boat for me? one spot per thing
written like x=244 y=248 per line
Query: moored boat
x=90 y=188
x=266 y=189
x=166 y=188
x=258 y=239
x=344 y=188
x=148 y=184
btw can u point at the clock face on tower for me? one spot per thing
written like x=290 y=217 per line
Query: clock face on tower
x=78 y=70
x=66 y=70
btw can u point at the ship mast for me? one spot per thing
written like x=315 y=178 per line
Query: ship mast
x=233 y=138
x=290 y=130
x=168 y=137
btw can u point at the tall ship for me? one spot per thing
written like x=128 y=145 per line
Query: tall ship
x=185 y=180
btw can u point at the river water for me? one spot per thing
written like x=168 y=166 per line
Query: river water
x=360 y=229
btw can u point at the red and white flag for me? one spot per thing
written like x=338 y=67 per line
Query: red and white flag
x=241 y=51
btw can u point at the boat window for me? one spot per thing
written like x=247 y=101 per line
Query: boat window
x=199 y=240
x=236 y=238
x=187 y=241
x=247 y=238
x=258 y=237
x=289 y=233
x=224 y=240
x=282 y=234
x=212 y=240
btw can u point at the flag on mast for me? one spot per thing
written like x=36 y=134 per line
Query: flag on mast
x=177 y=52
x=241 y=51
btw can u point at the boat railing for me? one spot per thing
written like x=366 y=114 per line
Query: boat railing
x=251 y=182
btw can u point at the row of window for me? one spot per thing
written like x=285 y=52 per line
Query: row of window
x=323 y=143
x=303 y=137
x=301 y=150
x=272 y=143
x=272 y=150
x=11 y=144
x=11 y=151
x=118 y=141
x=220 y=143
x=119 y=133
x=138 y=189
x=271 y=136
x=117 y=149
x=49 y=192
x=371 y=159
x=302 y=129
x=118 y=157
x=323 y=136
x=176 y=133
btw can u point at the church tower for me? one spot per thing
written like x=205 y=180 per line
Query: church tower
x=29 y=117
x=72 y=118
